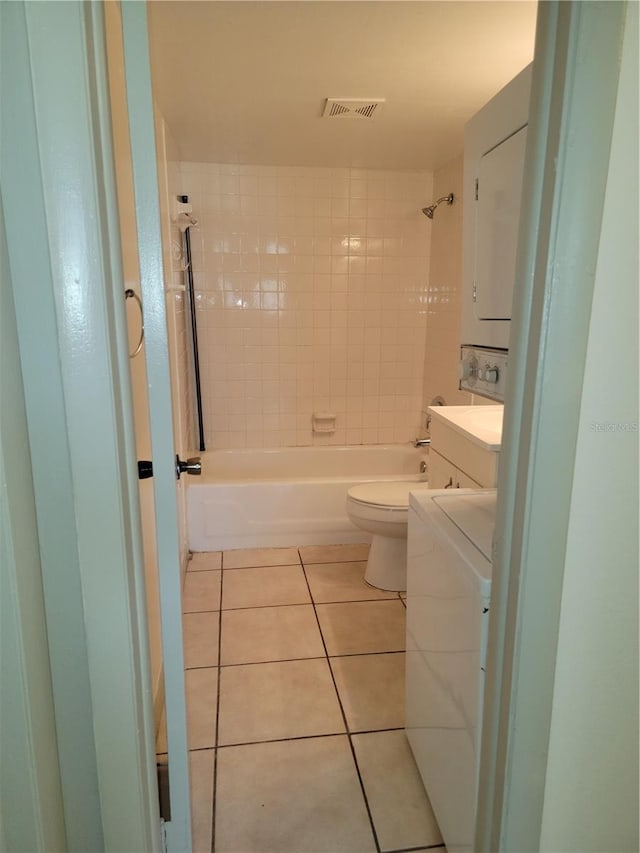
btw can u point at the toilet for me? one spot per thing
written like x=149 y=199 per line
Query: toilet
x=382 y=509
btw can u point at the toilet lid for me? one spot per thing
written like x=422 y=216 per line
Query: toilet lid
x=392 y=494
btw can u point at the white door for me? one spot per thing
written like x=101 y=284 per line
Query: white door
x=145 y=180
x=58 y=191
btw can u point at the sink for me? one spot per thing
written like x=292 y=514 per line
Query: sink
x=480 y=424
x=487 y=418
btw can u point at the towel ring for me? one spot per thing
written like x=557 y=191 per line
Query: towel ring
x=127 y=295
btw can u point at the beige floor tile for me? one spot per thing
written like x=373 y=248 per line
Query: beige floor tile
x=362 y=627
x=267 y=701
x=205 y=561
x=263 y=587
x=400 y=808
x=265 y=634
x=371 y=689
x=200 y=632
x=334 y=553
x=295 y=796
x=201 y=591
x=254 y=557
x=201 y=687
x=201 y=763
x=341 y=582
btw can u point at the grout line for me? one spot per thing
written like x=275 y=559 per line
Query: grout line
x=282 y=740
x=265 y=662
x=260 y=566
x=302 y=603
x=192 y=612
x=267 y=606
x=215 y=735
x=366 y=654
x=300 y=562
x=192 y=572
x=346 y=725
x=345 y=733
x=328 y=562
x=314 y=657
x=242 y=568
x=326 y=657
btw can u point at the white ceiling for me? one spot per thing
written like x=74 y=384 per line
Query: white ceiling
x=246 y=82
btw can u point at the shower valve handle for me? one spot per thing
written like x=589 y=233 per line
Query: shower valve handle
x=192 y=466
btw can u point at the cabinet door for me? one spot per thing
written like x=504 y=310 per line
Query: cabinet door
x=442 y=474
x=497 y=217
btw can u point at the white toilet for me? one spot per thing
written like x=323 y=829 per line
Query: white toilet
x=382 y=509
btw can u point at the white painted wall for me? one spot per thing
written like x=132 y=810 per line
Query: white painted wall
x=591 y=794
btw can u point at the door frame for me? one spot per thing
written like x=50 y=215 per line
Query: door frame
x=573 y=100
x=137 y=69
x=30 y=787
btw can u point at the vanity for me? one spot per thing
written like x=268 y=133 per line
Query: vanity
x=465 y=446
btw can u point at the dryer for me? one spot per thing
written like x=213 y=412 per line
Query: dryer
x=494 y=157
x=448 y=599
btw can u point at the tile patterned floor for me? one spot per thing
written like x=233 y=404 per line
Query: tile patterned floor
x=295 y=702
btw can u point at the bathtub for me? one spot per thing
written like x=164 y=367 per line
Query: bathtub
x=287 y=496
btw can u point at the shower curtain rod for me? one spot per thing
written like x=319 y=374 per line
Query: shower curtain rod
x=194 y=328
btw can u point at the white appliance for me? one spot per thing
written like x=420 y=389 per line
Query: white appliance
x=484 y=371
x=448 y=594
x=494 y=154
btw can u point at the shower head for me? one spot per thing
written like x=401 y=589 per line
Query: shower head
x=429 y=211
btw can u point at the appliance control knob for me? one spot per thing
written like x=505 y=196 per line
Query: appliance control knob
x=469 y=369
x=491 y=374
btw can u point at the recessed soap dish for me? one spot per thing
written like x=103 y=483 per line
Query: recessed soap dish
x=323 y=422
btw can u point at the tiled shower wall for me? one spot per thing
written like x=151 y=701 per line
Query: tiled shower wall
x=444 y=297
x=311 y=291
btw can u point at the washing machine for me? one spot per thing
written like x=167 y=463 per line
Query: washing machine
x=448 y=600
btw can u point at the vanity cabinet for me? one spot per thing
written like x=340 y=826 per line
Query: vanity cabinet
x=465 y=446
x=443 y=474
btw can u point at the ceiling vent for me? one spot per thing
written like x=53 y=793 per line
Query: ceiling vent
x=352 y=107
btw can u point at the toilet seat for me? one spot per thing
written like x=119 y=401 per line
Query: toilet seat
x=391 y=496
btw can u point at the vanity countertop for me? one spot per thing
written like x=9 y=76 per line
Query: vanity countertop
x=480 y=424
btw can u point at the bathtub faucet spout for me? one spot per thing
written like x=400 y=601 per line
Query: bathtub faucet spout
x=422 y=442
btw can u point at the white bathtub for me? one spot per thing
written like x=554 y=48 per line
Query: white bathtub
x=289 y=496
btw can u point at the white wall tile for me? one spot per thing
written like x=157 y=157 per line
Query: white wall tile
x=306 y=295
x=441 y=352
